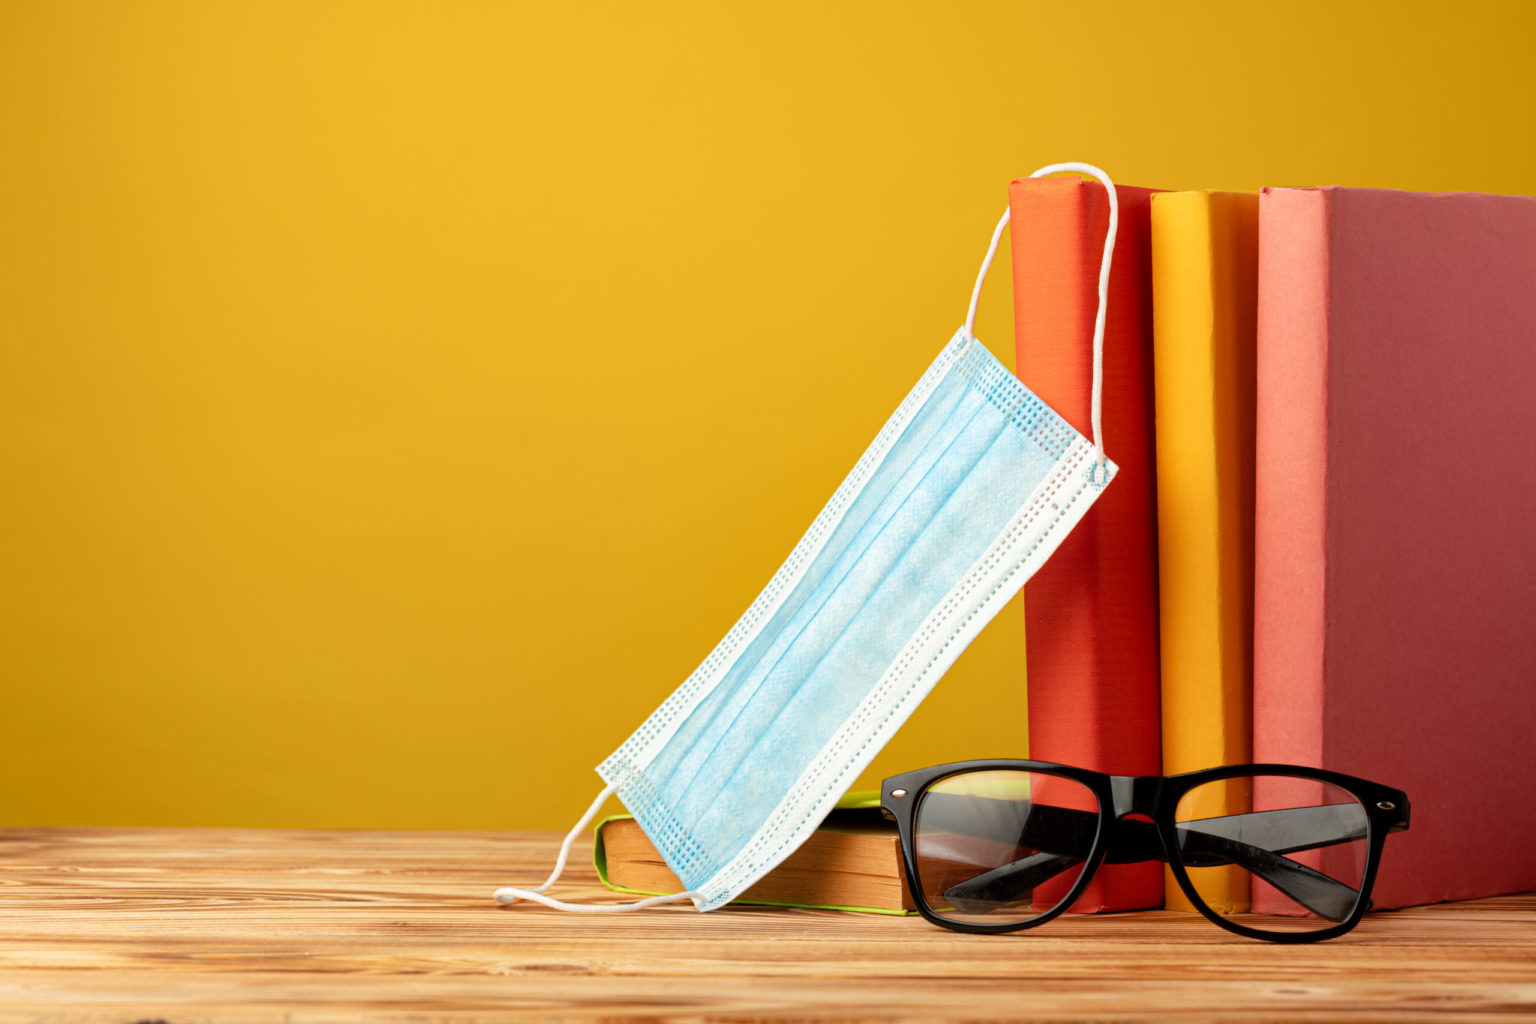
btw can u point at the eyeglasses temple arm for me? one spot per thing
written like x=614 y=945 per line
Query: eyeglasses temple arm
x=1005 y=884
x=1324 y=896
x=1287 y=830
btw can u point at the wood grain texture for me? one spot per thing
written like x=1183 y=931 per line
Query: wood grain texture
x=186 y=926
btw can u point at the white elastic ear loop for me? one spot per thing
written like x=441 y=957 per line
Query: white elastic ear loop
x=511 y=895
x=1104 y=264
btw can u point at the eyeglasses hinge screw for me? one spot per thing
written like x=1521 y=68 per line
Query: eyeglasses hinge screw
x=898 y=792
x=1387 y=805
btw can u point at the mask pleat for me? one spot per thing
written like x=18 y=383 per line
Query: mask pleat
x=818 y=621
x=921 y=446
x=865 y=642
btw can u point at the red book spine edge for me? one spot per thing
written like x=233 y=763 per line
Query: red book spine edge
x=1291 y=469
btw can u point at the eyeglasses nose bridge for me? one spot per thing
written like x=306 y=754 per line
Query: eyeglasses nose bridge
x=1134 y=794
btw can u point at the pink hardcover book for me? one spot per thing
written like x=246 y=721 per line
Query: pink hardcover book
x=1395 y=575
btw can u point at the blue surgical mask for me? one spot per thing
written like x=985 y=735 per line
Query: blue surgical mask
x=970 y=486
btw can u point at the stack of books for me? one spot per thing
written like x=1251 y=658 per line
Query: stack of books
x=1327 y=392
x=1316 y=550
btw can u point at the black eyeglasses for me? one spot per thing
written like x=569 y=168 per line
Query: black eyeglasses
x=1271 y=851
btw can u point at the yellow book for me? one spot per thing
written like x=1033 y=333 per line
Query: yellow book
x=1204 y=307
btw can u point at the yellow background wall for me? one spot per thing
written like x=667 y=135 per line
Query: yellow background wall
x=399 y=399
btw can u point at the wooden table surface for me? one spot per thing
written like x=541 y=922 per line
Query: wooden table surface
x=181 y=926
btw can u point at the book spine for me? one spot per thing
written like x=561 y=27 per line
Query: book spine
x=1291 y=462
x=1091 y=611
x=1291 y=494
x=1205 y=289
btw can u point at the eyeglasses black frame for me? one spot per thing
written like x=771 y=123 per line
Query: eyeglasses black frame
x=1156 y=797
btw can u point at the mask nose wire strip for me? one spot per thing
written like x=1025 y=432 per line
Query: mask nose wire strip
x=512 y=895
x=1104 y=264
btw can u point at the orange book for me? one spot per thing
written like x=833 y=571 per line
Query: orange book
x=1091 y=611
x=1205 y=253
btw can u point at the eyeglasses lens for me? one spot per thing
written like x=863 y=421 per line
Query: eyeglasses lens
x=1275 y=853
x=1002 y=847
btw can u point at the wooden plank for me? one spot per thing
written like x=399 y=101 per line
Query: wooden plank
x=246 y=925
